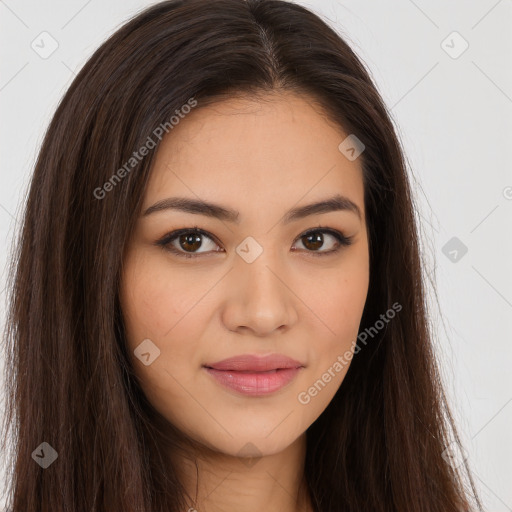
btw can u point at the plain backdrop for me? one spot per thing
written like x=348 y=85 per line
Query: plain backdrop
x=445 y=71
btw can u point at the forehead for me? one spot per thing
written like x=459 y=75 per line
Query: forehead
x=279 y=146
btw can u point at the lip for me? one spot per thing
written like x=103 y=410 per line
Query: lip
x=255 y=375
x=255 y=363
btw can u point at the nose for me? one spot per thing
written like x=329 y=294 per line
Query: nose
x=259 y=298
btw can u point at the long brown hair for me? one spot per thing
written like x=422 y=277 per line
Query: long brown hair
x=380 y=444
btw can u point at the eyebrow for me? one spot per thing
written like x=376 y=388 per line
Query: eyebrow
x=198 y=207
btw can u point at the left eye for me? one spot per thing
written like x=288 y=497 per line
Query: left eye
x=316 y=239
x=190 y=241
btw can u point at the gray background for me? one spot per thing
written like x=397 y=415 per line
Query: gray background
x=453 y=112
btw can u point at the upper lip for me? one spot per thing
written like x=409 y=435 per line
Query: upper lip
x=250 y=362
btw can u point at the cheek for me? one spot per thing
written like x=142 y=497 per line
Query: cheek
x=155 y=302
x=339 y=301
x=342 y=305
x=163 y=305
x=155 y=299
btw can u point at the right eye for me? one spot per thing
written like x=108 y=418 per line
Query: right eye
x=181 y=241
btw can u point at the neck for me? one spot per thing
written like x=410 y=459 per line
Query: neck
x=228 y=483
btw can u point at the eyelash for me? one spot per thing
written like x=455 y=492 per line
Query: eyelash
x=343 y=241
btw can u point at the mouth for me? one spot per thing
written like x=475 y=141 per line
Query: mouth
x=254 y=375
x=255 y=363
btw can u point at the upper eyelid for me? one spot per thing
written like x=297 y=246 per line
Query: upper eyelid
x=176 y=233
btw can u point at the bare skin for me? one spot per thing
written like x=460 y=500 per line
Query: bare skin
x=261 y=158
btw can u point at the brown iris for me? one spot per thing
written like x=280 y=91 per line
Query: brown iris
x=315 y=240
x=191 y=239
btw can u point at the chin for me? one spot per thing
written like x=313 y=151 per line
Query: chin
x=248 y=444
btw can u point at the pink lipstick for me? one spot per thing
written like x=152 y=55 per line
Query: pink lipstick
x=255 y=375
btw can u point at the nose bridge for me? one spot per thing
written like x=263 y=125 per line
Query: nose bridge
x=257 y=266
x=260 y=297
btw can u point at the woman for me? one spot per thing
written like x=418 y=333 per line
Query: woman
x=217 y=299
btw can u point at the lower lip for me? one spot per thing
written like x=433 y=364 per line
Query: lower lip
x=255 y=383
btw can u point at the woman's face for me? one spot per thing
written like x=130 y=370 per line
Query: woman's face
x=256 y=283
